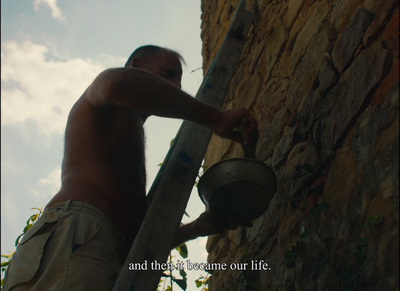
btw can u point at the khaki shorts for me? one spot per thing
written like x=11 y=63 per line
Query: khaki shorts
x=73 y=246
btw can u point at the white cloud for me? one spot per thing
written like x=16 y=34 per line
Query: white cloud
x=38 y=89
x=11 y=222
x=46 y=187
x=52 y=180
x=52 y=4
x=9 y=208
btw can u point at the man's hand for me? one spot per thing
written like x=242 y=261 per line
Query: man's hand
x=213 y=222
x=238 y=125
x=208 y=223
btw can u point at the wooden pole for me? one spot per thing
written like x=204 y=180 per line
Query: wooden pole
x=155 y=237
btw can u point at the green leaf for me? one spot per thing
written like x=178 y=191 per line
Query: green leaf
x=181 y=283
x=28 y=227
x=35 y=217
x=206 y=280
x=182 y=273
x=31 y=219
x=183 y=250
x=18 y=239
x=198 y=283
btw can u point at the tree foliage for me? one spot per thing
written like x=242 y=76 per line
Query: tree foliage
x=29 y=223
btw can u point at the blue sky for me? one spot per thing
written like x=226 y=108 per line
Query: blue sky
x=51 y=51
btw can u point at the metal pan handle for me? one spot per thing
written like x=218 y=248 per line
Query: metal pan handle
x=249 y=150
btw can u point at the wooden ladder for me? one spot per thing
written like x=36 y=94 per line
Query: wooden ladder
x=171 y=189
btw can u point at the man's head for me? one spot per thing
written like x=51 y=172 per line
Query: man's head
x=162 y=62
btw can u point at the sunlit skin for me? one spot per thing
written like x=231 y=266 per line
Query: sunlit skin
x=104 y=163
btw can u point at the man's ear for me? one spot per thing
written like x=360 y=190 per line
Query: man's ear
x=136 y=63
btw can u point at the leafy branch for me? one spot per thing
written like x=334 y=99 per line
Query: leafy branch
x=29 y=223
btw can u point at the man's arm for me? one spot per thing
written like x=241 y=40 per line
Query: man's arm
x=144 y=92
x=208 y=223
x=202 y=226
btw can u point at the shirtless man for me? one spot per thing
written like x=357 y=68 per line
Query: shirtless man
x=81 y=241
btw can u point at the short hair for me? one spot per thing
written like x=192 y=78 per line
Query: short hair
x=147 y=51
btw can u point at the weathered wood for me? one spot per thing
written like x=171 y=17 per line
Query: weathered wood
x=172 y=192
x=157 y=179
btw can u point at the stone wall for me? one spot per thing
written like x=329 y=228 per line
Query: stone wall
x=322 y=77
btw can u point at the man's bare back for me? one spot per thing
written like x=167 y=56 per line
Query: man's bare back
x=104 y=163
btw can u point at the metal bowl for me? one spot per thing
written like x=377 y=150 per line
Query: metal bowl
x=239 y=187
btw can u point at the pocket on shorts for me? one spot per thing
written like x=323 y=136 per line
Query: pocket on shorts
x=86 y=231
x=26 y=261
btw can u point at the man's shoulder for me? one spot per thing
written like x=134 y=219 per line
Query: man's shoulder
x=83 y=109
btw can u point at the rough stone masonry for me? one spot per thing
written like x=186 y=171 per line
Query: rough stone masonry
x=322 y=77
